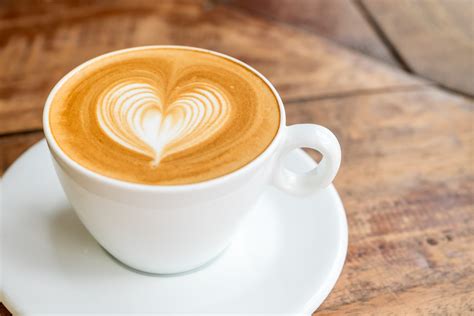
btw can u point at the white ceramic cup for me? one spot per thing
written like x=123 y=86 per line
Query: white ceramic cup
x=171 y=229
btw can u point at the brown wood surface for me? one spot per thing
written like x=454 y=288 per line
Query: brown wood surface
x=39 y=48
x=406 y=180
x=435 y=38
x=11 y=146
x=42 y=41
x=407 y=174
x=338 y=20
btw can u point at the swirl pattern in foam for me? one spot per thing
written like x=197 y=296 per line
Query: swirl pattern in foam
x=135 y=116
x=164 y=116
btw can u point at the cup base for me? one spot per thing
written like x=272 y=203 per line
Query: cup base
x=169 y=273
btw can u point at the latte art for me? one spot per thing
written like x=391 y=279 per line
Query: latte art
x=163 y=116
x=142 y=118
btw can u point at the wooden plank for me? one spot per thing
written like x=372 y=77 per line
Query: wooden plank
x=337 y=20
x=435 y=38
x=407 y=181
x=12 y=146
x=39 y=44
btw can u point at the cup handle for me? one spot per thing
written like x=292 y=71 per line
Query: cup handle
x=308 y=136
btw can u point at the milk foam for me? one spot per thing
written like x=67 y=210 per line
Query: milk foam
x=139 y=117
x=164 y=116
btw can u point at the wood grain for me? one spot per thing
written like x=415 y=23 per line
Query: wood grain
x=38 y=47
x=12 y=146
x=337 y=20
x=407 y=182
x=435 y=38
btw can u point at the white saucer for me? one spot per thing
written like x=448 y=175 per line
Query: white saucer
x=286 y=258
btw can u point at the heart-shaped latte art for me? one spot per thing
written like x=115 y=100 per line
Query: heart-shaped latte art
x=143 y=119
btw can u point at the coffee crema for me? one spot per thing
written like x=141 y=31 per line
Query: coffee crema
x=164 y=116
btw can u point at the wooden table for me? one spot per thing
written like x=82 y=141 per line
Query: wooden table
x=407 y=173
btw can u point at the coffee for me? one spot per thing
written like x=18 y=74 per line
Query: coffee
x=164 y=116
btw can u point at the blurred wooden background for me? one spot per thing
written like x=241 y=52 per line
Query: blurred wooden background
x=393 y=79
x=41 y=40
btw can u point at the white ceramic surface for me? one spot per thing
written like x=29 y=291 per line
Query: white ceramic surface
x=170 y=229
x=285 y=259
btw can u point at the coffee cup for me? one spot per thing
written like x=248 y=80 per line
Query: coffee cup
x=172 y=228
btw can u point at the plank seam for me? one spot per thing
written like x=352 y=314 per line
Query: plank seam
x=371 y=20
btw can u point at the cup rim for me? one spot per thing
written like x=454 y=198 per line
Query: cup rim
x=58 y=152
